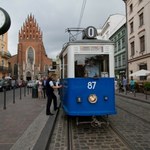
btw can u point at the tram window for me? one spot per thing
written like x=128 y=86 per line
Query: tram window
x=65 y=66
x=91 y=65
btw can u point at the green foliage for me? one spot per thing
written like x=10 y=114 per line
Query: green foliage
x=147 y=86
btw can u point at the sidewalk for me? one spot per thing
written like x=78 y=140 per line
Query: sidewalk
x=137 y=96
x=22 y=123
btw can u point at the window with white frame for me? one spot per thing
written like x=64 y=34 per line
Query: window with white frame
x=141 y=19
x=131 y=27
x=131 y=8
x=123 y=59
x=123 y=42
x=142 y=43
x=132 y=48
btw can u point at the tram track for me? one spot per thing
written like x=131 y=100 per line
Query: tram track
x=81 y=136
x=133 y=102
x=131 y=126
x=122 y=138
x=134 y=115
x=86 y=136
x=123 y=132
x=69 y=135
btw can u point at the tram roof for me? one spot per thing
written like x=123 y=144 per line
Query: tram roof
x=86 y=41
x=91 y=41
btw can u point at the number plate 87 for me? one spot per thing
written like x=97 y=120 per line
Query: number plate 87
x=91 y=85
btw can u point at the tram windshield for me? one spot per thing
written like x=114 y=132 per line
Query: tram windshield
x=91 y=65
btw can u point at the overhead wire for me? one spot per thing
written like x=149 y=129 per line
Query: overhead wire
x=82 y=12
x=81 y=16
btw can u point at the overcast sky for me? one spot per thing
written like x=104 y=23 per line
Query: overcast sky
x=54 y=16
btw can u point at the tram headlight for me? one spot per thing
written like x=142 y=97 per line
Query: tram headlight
x=92 y=98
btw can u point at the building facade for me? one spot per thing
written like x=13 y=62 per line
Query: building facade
x=5 y=69
x=111 y=25
x=115 y=29
x=138 y=24
x=120 y=53
x=31 y=61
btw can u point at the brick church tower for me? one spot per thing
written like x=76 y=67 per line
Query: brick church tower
x=32 y=59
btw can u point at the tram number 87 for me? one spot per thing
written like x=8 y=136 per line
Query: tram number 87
x=91 y=85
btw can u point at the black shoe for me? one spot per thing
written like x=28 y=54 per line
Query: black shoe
x=49 y=114
x=56 y=108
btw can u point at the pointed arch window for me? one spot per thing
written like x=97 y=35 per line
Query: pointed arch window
x=30 y=55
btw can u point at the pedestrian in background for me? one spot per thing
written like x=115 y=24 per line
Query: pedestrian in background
x=116 y=84
x=44 y=86
x=40 y=89
x=50 y=93
x=124 y=83
x=132 y=84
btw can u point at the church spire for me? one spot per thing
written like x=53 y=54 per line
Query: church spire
x=30 y=30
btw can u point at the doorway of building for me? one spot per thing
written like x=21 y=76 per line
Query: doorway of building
x=28 y=76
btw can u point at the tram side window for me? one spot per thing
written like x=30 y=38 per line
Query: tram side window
x=91 y=65
x=79 y=69
x=65 y=66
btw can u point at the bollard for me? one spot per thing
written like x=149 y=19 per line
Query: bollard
x=4 y=98
x=20 y=92
x=13 y=94
x=134 y=93
x=27 y=90
x=24 y=90
x=146 y=94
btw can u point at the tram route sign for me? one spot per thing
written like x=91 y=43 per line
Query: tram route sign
x=5 y=21
x=90 y=32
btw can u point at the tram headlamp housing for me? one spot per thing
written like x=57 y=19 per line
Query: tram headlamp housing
x=92 y=98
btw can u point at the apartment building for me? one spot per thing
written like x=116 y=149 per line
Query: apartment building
x=119 y=39
x=115 y=29
x=4 y=56
x=138 y=23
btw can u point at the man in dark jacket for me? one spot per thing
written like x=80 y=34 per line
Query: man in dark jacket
x=50 y=93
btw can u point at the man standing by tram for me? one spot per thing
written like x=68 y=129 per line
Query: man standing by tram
x=50 y=86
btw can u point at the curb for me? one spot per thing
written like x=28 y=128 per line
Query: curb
x=134 y=97
x=43 y=140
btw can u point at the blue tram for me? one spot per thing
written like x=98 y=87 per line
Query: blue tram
x=87 y=73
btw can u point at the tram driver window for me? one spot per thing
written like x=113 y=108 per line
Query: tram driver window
x=91 y=65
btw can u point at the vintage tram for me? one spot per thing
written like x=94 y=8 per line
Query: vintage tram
x=87 y=76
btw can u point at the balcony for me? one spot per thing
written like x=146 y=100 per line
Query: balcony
x=5 y=69
x=5 y=54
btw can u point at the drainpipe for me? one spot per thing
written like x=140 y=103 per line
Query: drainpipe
x=127 y=66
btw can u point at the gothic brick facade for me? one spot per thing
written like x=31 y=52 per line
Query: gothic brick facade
x=31 y=59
